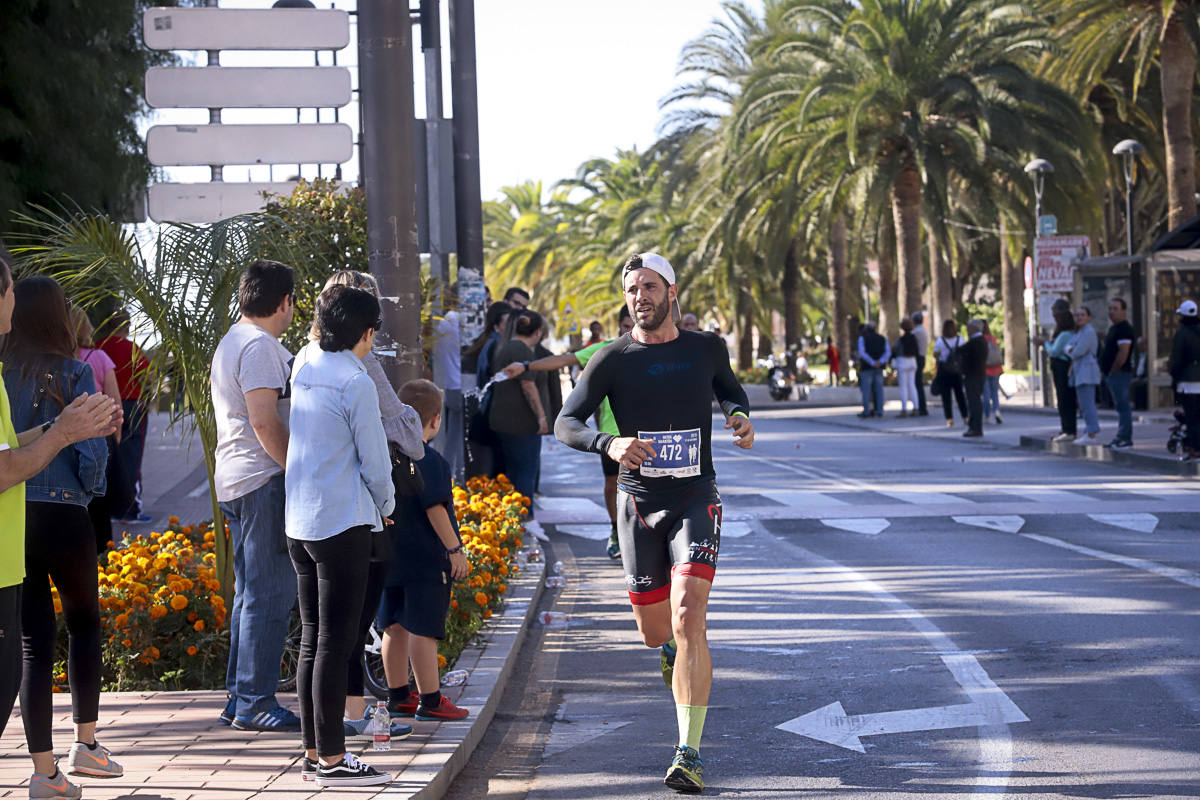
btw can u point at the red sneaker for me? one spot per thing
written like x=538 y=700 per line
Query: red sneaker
x=444 y=710
x=407 y=708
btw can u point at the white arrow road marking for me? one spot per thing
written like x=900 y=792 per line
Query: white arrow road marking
x=1002 y=523
x=833 y=725
x=1183 y=576
x=870 y=526
x=1142 y=523
x=995 y=741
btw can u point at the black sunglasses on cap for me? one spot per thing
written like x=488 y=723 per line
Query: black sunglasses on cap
x=378 y=324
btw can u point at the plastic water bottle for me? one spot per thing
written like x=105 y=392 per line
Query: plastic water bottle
x=555 y=582
x=522 y=559
x=558 y=567
x=553 y=619
x=455 y=677
x=381 y=727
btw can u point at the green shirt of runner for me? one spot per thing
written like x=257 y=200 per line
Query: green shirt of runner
x=12 y=507
x=605 y=421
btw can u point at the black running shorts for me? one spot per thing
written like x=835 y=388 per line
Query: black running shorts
x=610 y=467
x=675 y=532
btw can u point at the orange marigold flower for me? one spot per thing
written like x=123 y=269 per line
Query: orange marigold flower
x=173 y=520
x=454 y=604
x=152 y=652
x=191 y=651
x=199 y=625
x=441 y=661
x=121 y=620
x=481 y=598
x=179 y=602
x=487 y=612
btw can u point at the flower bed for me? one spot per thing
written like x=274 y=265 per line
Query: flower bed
x=163 y=619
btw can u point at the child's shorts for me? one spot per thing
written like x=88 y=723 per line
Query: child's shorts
x=420 y=608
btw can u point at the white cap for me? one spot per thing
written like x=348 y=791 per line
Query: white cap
x=1187 y=308
x=657 y=263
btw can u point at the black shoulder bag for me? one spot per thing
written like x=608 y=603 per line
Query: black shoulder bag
x=406 y=478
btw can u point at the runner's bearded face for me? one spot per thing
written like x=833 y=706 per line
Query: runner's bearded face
x=648 y=298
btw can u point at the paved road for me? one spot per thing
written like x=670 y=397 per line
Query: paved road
x=922 y=616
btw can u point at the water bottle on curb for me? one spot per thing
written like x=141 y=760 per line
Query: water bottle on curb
x=381 y=727
x=553 y=619
x=558 y=568
x=555 y=582
x=456 y=677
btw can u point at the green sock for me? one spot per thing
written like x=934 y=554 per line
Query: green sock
x=670 y=647
x=691 y=724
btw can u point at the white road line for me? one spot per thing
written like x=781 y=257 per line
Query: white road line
x=1047 y=495
x=805 y=499
x=922 y=498
x=199 y=490
x=1186 y=577
x=995 y=740
x=1005 y=523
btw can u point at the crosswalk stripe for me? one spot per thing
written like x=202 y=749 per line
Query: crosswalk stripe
x=1039 y=495
x=804 y=499
x=1142 y=523
x=1005 y=523
x=869 y=526
x=920 y=497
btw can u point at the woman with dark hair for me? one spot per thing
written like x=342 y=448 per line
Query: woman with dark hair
x=949 y=371
x=518 y=415
x=42 y=376
x=338 y=489
x=477 y=358
x=1060 y=369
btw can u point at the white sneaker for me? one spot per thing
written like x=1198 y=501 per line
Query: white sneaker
x=534 y=528
x=95 y=762
x=1064 y=437
x=1086 y=439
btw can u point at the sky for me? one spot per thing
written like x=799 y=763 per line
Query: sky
x=560 y=81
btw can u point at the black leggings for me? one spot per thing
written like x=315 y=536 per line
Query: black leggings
x=1064 y=394
x=953 y=383
x=376 y=578
x=59 y=545
x=331 y=575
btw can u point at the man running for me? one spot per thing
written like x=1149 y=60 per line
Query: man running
x=604 y=417
x=660 y=382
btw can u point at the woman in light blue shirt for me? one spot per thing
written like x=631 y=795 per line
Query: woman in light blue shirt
x=1085 y=372
x=339 y=492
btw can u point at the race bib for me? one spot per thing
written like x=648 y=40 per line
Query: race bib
x=676 y=454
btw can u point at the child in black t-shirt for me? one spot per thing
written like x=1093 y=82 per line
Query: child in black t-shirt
x=427 y=559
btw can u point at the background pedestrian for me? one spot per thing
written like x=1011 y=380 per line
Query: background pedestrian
x=906 y=368
x=104 y=371
x=125 y=463
x=1060 y=368
x=919 y=331
x=1116 y=365
x=1184 y=368
x=948 y=379
x=873 y=353
x=991 y=380
x=974 y=374
x=1085 y=372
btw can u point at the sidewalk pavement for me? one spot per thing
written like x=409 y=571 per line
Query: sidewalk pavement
x=172 y=746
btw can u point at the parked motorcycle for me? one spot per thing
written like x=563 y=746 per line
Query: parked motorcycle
x=780 y=379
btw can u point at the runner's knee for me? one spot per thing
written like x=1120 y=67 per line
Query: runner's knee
x=688 y=622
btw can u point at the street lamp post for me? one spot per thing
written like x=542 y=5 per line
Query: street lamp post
x=1129 y=150
x=1036 y=169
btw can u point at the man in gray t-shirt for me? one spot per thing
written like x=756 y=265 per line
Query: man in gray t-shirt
x=919 y=331
x=250 y=387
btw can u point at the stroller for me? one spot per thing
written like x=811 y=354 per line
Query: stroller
x=1177 y=436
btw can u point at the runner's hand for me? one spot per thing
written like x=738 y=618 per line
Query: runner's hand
x=459 y=566
x=630 y=452
x=543 y=427
x=514 y=369
x=743 y=431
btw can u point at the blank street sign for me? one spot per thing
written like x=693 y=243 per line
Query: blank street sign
x=209 y=202
x=245 y=29
x=247 y=87
x=198 y=145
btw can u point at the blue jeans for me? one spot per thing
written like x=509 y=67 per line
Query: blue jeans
x=1086 y=394
x=522 y=460
x=265 y=591
x=1118 y=386
x=870 y=381
x=449 y=441
x=991 y=395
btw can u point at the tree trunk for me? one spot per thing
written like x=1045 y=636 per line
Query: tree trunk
x=889 y=311
x=745 y=323
x=839 y=308
x=1178 y=76
x=906 y=219
x=791 y=297
x=1012 y=286
x=941 y=289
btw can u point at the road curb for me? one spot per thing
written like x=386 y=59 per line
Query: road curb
x=434 y=767
x=1164 y=466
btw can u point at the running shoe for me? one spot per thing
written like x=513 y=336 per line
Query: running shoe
x=350 y=772
x=1064 y=437
x=407 y=708
x=445 y=710
x=277 y=719
x=614 y=546
x=686 y=773
x=365 y=727
x=1120 y=444
x=56 y=787
x=1086 y=439
x=95 y=761
x=666 y=661
x=229 y=712
x=308 y=769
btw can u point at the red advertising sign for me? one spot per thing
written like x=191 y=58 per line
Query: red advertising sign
x=1054 y=259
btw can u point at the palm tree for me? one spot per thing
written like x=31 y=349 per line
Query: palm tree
x=914 y=92
x=1095 y=33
